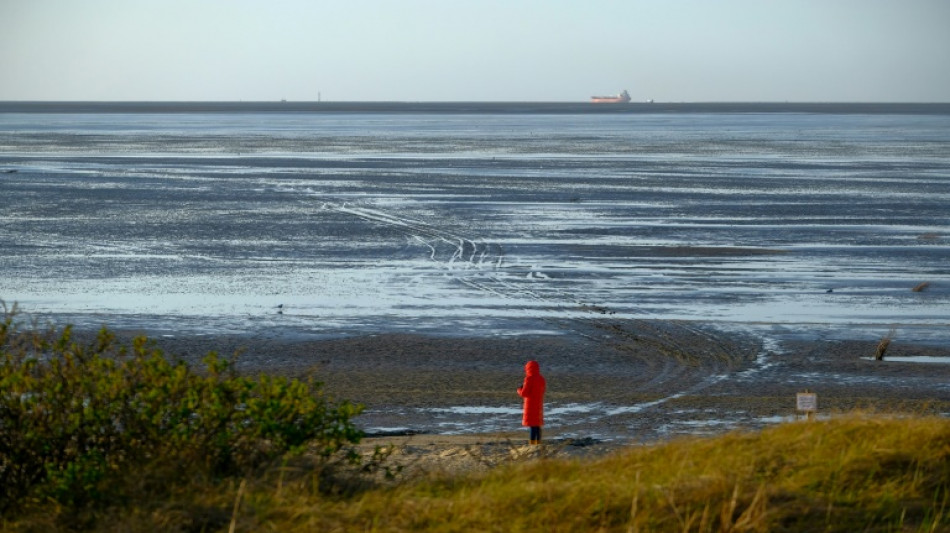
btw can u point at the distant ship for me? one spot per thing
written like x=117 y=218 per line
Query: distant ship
x=621 y=98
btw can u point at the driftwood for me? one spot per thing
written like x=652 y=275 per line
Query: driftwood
x=883 y=345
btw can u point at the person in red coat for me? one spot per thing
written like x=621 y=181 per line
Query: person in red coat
x=532 y=390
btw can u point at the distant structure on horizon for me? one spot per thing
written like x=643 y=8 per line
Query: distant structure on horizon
x=621 y=98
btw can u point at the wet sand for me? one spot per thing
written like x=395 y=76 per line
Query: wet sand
x=613 y=383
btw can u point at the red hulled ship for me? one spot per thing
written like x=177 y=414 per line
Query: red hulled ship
x=621 y=98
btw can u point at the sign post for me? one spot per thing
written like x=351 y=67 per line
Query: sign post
x=807 y=402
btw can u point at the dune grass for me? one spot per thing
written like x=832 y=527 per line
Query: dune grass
x=852 y=473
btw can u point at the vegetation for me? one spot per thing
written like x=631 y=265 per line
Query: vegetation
x=109 y=438
x=855 y=473
x=85 y=427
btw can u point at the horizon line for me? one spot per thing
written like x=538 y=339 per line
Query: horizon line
x=462 y=107
x=323 y=101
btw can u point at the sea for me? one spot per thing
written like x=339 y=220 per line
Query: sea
x=324 y=220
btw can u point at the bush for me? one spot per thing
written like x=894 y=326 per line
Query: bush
x=80 y=422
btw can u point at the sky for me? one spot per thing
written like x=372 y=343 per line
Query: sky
x=476 y=50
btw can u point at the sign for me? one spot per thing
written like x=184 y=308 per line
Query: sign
x=807 y=401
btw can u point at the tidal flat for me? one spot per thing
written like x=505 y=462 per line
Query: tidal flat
x=675 y=271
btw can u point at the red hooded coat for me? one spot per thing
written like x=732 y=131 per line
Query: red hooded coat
x=533 y=393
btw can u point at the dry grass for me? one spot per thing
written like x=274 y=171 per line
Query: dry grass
x=851 y=473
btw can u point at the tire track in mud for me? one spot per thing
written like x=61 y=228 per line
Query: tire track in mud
x=654 y=343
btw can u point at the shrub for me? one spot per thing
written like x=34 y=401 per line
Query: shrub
x=80 y=422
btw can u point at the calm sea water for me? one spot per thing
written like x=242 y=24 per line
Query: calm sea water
x=785 y=221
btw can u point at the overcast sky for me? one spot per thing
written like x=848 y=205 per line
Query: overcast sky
x=486 y=50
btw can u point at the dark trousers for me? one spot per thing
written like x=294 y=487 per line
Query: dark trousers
x=535 y=433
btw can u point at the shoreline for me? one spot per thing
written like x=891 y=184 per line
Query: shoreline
x=612 y=382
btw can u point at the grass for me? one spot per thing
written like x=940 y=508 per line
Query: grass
x=851 y=473
x=842 y=475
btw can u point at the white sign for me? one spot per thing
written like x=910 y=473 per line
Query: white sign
x=807 y=401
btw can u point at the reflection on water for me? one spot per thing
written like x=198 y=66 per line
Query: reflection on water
x=492 y=223
x=574 y=420
x=926 y=359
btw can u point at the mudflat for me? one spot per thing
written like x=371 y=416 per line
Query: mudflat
x=615 y=382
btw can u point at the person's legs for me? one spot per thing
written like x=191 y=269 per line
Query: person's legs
x=535 y=434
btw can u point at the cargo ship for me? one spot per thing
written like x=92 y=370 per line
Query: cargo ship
x=621 y=98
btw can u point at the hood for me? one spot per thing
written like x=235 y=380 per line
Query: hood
x=532 y=368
